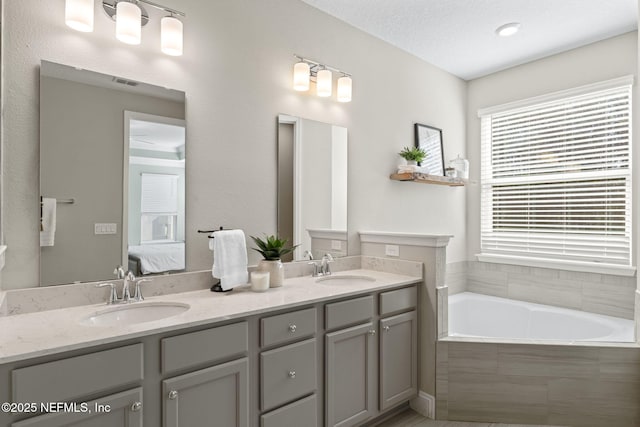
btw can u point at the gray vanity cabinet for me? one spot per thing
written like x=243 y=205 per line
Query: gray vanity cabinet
x=351 y=386
x=116 y=410
x=216 y=396
x=398 y=359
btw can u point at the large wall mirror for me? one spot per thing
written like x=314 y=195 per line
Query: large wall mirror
x=112 y=163
x=312 y=186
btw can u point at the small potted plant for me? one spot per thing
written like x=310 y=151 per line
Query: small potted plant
x=272 y=248
x=413 y=156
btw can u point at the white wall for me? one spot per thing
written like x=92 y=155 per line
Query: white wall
x=236 y=73
x=597 y=62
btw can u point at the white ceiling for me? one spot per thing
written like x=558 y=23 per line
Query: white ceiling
x=156 y=136
x=458 y=35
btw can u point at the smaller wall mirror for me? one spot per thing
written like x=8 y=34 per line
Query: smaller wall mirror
x=312 y=187
x=430 y=140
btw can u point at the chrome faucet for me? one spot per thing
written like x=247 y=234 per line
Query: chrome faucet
x=119 y=272
x=126 y=289
x=325 y=270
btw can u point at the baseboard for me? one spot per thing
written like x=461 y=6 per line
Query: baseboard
x=424 y=404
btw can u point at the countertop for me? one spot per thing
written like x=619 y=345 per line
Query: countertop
x=25 y=336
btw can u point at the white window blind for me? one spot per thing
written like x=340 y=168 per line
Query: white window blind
x=556 y=179
x=159 y=193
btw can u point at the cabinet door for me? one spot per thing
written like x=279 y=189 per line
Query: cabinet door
x=398 y=359
x=117 y=410
x=215 y=397
x=351 y=385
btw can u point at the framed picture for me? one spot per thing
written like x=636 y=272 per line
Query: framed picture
x=430 y=140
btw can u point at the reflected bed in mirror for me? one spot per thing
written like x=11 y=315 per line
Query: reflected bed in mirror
x=312 y=186
x=117 y=148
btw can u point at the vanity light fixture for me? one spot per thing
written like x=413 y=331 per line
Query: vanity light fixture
x=324 y=84
x=78 y=14
x=128 y=22
x=344 y=89
x=301 y=76
x=509 y=29
x=130 y=17
x=307 y=70
x=171 y=38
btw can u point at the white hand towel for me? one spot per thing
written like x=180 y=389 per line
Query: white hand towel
x=230 y=258
x=48 y=231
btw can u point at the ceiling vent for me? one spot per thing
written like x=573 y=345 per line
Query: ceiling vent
x=124 y=81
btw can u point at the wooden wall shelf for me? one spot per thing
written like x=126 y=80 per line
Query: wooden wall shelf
x=427 y=179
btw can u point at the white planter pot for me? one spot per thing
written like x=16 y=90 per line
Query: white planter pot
x=276 y=272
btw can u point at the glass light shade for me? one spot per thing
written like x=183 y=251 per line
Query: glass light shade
x=78 y=14
x=128 y=23
x=171 y=39
x=324 y=83
x=344 y=89
x=301 y=75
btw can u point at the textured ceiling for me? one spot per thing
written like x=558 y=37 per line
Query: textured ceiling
x=458 y=35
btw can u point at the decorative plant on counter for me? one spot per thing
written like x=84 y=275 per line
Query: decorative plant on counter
x=413 y=154
x=272 y=248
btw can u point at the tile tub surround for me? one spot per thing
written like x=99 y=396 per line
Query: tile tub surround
x=48 y=332
x=595 y=293
x=580 y=386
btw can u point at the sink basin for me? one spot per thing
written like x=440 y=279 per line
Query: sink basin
x=134 y=313
x=344 y=279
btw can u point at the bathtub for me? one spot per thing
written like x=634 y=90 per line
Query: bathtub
x=482 y=316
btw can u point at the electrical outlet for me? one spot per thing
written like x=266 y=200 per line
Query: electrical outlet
x=392 y=250
x=336 y=245
x=105 y=228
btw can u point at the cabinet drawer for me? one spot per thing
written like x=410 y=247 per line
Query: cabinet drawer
x=287 y=327
x=400 y=300
x=348 y=312
x=68 y=379
x=124 y=409
x=204 y=347
x=302 y=413
x=287 y=373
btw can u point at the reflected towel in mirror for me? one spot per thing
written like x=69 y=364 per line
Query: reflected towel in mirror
x=48 y=222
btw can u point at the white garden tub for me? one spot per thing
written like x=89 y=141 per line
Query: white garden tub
x=476 y=315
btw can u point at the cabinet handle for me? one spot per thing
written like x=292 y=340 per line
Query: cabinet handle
x=292 y=374
x=292 y=328
x=372 y=332
x=173 y=395
x=386 y=329
x=136 y=406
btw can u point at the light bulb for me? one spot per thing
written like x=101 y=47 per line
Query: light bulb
x=171 y=36
x=344 y=89
x=128 y=23
x=324 y=83
x=301 y=75
x=78 y=14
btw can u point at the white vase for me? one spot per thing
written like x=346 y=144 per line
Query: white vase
x=412 y=163
x=276 y=271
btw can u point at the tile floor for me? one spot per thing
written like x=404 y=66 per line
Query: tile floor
x=410 y=418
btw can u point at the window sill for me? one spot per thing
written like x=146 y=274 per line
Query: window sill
x=587 y=267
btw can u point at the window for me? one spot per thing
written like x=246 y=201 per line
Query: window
x=556 y=177
x=159 y=208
